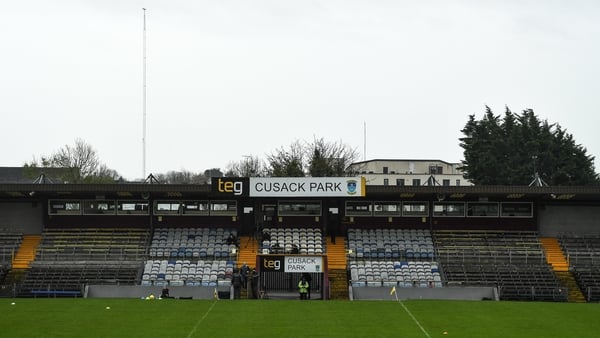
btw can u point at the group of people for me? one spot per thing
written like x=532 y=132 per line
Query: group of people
x=245 y=278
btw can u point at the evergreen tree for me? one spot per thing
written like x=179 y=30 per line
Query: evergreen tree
x=509 y=150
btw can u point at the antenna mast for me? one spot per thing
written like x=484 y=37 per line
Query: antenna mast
x=144 y=101
x=364 y=141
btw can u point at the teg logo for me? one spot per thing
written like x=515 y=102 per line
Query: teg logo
x=274 y=264
x=237 y=188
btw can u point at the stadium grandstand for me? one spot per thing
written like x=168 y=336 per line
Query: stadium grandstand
x=352 y=240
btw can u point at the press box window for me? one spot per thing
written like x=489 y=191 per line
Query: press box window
x=194 y=208
x=517 y=210
x=167 y=207
x=96 y=207
x=358 y=208
x=64 y=207
x=223 y=208
x=299 y=208
x=414 y=209
x=132 y=208
x=386 y=209
x=482 y=209
x=450 y=209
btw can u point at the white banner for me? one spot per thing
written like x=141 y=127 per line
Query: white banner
x=307 y=186
x=303 y=264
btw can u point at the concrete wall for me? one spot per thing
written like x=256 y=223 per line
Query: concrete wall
x=111 y=291
x=450 y=293
x=555 y=220
x=26 y=217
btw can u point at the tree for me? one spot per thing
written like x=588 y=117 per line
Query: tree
x=328 y=159
x=287 y=163
x=181 y=177
x=213 y=172
x=78 y=163
x=250 y=166
x=509 y=150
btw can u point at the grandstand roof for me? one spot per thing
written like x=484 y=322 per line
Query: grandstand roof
x=175 y=191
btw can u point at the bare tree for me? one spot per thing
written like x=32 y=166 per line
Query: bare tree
x=182 y=177
x=81 y=156
x=330 y=158
x=78 y=163
x=287 y=162
x=250 y=166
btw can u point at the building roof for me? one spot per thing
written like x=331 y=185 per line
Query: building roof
x=559 y=194
x=403 y=160
x=32 y=174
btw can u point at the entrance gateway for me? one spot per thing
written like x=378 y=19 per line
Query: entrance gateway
x=279 y=275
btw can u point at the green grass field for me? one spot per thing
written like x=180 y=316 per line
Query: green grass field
x=273 y=318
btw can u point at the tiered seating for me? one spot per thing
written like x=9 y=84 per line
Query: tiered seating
x=10 y=240
x=68 y=281
x=306 y=241
x=513 y=261
x=584 y=253
x=392 y=257
x=489 y=246
x=186 y=272
x=404 y=244
x=191 y=243
x=2 y=273
x=93 y=244
x=71 y=257
x=190 y=256
x=388 y=273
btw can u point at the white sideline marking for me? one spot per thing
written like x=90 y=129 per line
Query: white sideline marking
x=201 y=319
x=414 y=319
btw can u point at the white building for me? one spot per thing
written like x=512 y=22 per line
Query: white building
x=409 y=172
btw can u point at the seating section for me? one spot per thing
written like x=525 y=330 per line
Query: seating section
x=191 y=243
x=511 y=260
x=584 y=260
x=472 y=246
x=392 y=257
x=10 y=240
x=399 y=244
x=306 y=241
x=56 y=281
x=387 y=273
x=69 y=258
x=93 y=244
x=187 y=272
x=190 y=256
x=2 y=273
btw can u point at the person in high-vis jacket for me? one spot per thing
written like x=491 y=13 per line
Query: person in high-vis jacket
x=303 y=288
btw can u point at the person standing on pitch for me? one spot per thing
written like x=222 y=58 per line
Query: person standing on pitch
x=306 y=276
x=303 y=288
x=244 y=274
x=236 y=280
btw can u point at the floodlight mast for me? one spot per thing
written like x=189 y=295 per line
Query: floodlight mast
x=144 y=100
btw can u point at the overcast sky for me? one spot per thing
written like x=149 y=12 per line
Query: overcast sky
x=227 y=79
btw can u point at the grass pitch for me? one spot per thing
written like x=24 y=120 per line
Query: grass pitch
x=273 y=318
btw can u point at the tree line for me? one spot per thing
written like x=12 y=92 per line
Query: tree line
x=513 y=149
x=80 y=163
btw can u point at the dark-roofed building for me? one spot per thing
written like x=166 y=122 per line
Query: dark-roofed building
x=33 y=175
